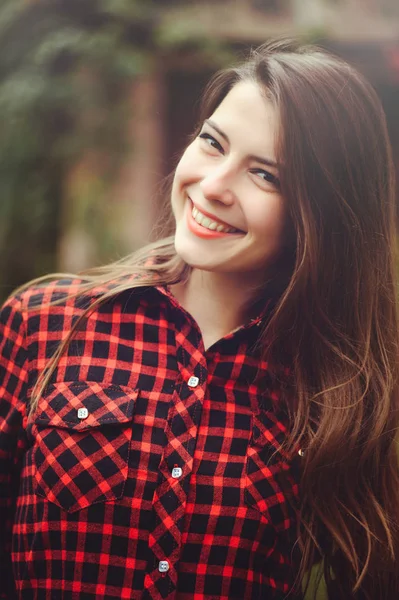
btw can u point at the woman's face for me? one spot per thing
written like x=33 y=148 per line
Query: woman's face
x=230 y=215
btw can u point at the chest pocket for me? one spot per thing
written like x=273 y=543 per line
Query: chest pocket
x=83 y=434
x=271 y=478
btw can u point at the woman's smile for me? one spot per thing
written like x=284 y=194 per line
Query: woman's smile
x=205 y=225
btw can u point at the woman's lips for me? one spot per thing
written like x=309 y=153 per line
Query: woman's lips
x=211 y=216
x=204 y=232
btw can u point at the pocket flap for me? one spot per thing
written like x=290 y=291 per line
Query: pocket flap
x=82 y=405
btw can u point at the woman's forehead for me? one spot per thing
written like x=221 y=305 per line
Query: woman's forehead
x=246 y=115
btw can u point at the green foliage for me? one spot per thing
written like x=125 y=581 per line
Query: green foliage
x=65 y=67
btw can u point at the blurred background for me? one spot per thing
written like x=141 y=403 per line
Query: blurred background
x=98 y=97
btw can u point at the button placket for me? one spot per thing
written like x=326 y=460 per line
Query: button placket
x=171 y=493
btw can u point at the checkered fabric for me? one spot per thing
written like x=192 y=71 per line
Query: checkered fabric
x=149 y=470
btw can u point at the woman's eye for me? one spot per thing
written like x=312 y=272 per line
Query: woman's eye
x=267 y=176
x=212 y=142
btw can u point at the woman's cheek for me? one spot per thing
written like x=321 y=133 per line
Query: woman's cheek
x=183 y=172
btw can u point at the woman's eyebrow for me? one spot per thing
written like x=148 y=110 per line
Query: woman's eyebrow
x=216 y=128
x=265 y=161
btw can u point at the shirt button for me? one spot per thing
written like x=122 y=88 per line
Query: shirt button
x=163 y=566
x=177 y=472
x=193 y=381
x=83 y=413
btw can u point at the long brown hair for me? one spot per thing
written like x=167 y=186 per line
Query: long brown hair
x=335 y=325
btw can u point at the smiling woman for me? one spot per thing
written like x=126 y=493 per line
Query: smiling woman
x=216 y=416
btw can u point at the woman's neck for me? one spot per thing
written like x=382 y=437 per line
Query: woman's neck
x=218 y=302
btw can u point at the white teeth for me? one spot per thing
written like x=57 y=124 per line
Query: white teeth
x=209 y=224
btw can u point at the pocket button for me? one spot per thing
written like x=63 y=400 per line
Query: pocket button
x=83 y=413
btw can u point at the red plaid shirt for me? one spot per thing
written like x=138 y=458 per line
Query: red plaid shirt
x=149 y=469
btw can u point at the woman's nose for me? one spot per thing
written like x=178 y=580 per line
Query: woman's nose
x=218 y=185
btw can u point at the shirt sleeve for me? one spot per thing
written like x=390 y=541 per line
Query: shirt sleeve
x=13 y=394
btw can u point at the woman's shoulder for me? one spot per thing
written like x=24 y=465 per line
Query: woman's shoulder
x=35 y=311
x=64 y=295
x=52 y=296
x=45 y=293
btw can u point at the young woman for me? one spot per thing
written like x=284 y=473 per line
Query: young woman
x=216 y=416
